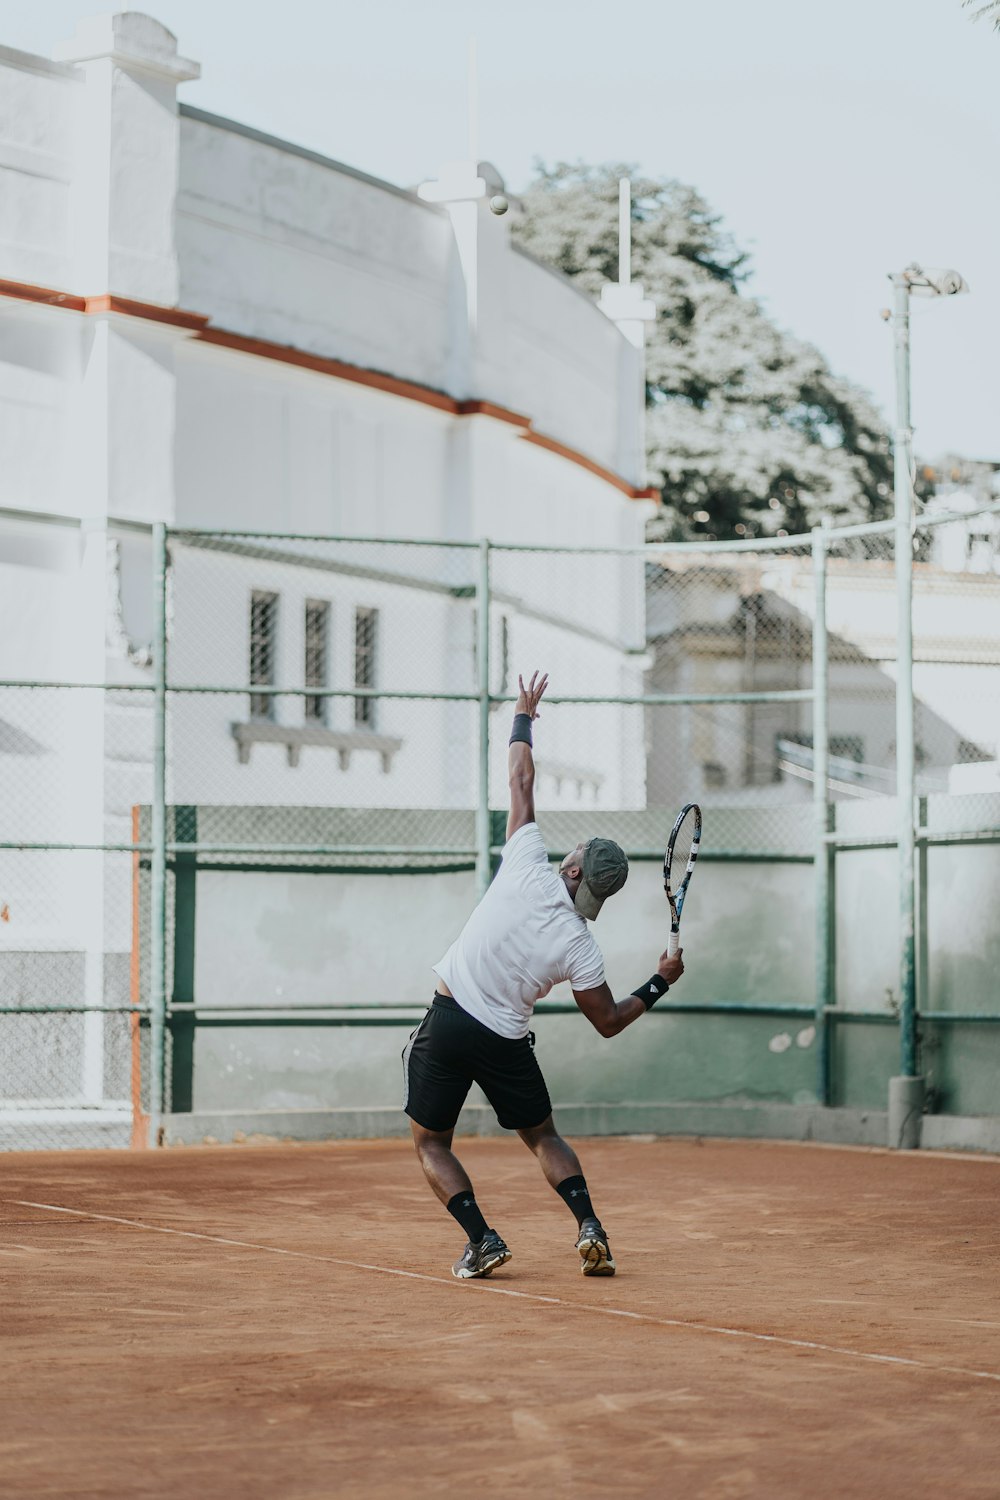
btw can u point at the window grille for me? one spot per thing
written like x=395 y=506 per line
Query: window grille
x=365 y=646
x=504 y=673
x=263 y=651
x=317 y=657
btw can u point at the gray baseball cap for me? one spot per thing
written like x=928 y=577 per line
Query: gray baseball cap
x=605 y=870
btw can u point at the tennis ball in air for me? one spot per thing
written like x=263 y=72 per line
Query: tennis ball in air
x=499 y=204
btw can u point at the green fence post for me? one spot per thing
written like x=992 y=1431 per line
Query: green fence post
x=823 y=864
x=158 y=831
x=498 y=836
x=182 y=1023
x=483 y=872
x=923 y=938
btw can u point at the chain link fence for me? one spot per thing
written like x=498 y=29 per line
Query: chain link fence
x=76 y=761
x=342 y=706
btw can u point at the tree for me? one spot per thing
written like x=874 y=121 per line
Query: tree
x=992 y=8
x=748 y=430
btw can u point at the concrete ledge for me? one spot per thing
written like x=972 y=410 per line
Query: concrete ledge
x=80 y=1130
x=65 y=1135
x=741 y=1121
x=223 y=1127
x=960 y=1133
x=767 y=1121
x=293 y=737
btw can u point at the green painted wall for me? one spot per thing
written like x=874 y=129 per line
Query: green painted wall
x=284 y=937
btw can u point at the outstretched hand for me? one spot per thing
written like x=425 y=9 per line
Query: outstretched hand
x=529 y=697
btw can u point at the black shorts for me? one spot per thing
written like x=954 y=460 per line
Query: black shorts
x=450 y=1051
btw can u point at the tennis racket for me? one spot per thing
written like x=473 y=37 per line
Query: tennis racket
x=678 y=862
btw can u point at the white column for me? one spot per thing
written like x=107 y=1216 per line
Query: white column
x=479 y=299
x=127 y=147
x=630 y=311
x=123 y=200
x=123 y=207
x=90 y=869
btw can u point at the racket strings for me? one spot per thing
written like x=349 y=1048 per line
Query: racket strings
x=681 y=852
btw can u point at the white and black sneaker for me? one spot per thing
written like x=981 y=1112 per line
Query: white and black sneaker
x=481 y=1259
x=595 y=1252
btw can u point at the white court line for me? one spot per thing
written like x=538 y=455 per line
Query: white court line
x=503 y=1291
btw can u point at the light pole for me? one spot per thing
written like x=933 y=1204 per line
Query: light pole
x=906 y=1093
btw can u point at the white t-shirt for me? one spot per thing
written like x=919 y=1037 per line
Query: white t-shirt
x=523 y=937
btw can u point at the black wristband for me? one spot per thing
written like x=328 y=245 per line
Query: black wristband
x=521 y=732
x=651 y=991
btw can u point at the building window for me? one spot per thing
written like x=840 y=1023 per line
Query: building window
x=713 y=774
x=503 y=672
x=365 y=646
x=263 y=651
x=499 y=652
x=317 y=656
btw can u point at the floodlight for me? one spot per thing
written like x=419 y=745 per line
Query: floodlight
x=934 y=282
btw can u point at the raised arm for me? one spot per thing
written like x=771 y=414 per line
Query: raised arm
x=520 y=762
x=610 y=1016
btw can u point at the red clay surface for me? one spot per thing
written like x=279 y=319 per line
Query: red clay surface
x=138 y=1363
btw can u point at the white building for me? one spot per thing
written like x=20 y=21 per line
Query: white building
x=208 y=327
x=737 y=623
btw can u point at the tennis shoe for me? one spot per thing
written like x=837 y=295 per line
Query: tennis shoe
x=595 y=1252
x=481 y=1259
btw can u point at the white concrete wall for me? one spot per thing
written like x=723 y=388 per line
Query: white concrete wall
x=281 y=245
x=566 y=354
x=265 y=446
x=108 y=190
x=39 y=381
x=426 y=643
x=38 y=104
x=278 y=246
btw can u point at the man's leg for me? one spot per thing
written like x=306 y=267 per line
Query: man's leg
x=442 y=1167
x=436 y=1080
x=555 y=1156
x=561 y=1166
x=450 y=1182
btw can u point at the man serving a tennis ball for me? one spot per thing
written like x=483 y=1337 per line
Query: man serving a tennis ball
x=528 y=933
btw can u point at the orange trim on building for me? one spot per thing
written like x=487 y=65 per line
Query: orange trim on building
x=490 y=409
x=27 y=293
x=392 y=385
x=554 y=446
x=150 y=312
x=288 y=354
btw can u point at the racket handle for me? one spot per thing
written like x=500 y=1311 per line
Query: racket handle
x=673 y=943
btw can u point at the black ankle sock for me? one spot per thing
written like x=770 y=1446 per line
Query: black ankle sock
x=573 y=1192
x=465 y=1209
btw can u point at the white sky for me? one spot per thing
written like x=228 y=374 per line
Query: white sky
x=839 y=142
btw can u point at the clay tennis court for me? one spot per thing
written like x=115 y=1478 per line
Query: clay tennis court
x=280 y=1321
